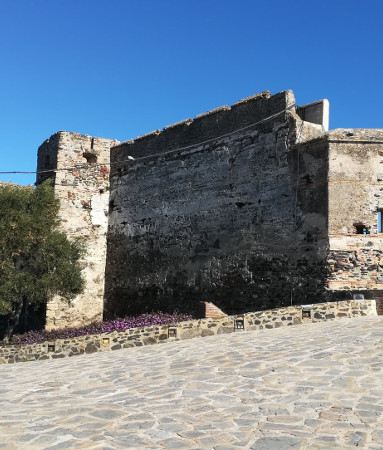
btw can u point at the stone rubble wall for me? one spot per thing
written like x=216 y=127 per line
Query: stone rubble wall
x=137 y=337
x=355 y=186
x=208 y=208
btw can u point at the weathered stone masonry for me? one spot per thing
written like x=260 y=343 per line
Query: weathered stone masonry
x=250 y=207
x=217 y=220
x=80 y=169
x=355 y=184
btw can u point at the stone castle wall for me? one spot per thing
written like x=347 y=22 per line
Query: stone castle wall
x=218 y=208
x=249 y=207
x=80 y=170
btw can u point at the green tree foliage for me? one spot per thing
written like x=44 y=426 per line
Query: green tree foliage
x=37 y=261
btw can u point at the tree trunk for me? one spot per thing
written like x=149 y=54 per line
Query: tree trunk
x=13 y=321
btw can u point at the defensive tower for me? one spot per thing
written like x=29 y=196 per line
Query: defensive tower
x=79 y=167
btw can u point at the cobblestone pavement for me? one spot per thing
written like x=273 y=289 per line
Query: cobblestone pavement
x=310 y=386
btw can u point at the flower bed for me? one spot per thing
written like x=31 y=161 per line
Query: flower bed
x=144 y=320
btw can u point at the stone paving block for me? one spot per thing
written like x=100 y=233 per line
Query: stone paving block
x=276 y=443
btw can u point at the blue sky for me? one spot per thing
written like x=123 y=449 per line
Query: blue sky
x=120 y=68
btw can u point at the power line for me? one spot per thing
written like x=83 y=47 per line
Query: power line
x=21 y=172
x=80 y=166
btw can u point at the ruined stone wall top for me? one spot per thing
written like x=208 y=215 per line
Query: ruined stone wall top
x=206 y=126
x=67 y=150
x=356 y=135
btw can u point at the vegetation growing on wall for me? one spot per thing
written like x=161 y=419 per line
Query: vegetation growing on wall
x=37 y=261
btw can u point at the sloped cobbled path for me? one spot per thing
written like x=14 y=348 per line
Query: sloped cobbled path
x=313 y=386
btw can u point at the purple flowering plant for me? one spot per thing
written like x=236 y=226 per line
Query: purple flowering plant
x=122 y=324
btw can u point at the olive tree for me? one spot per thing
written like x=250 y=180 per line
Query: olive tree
x=37 y=260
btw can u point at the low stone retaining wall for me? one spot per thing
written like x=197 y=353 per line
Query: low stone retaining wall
x=135 y=337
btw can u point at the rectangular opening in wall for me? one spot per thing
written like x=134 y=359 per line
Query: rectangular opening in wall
x=51 y=348
x=361 y=228
x=239 y=324
x=172 y=332
x=379 y=221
